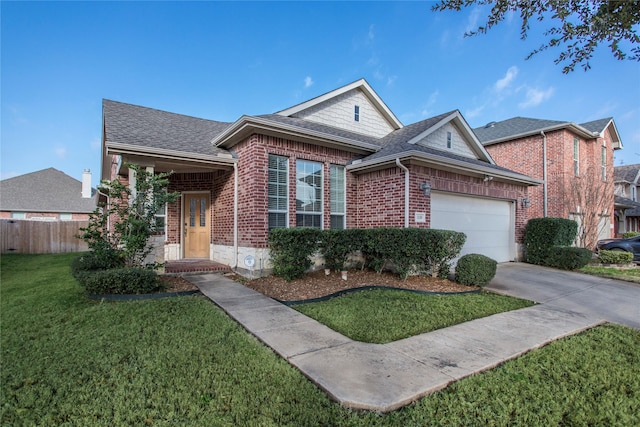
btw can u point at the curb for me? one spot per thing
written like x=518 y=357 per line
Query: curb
x=366 y=288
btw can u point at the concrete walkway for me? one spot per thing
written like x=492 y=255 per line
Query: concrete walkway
x=384 y=377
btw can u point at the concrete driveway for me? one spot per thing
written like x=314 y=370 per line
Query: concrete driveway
x=611 y=300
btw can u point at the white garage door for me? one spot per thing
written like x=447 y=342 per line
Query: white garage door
x=488 y=223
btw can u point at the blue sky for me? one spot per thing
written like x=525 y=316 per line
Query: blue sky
x=220 y=60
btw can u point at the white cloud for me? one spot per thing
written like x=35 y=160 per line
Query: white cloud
x=628 y=115
x=475 y=112
x=61 y=152
x=504 y=82
x=536 y=97
x=472 y=22
x=96 y=144
x=391 y=80
x=371 y=34
x=433 y=97
x=308 y=81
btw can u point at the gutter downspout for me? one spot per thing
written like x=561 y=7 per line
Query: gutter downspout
x=406 y=192
x=544 y=172
x=235 y=217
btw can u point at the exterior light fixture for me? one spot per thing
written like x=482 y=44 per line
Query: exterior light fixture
x=488 y=178
x=526 y=202
x=426 y=188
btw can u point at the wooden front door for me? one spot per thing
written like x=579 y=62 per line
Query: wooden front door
x=197 y=225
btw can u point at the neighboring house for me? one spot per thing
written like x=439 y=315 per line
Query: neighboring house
x=47 y=195
x=627 y=193
x=575 y=162
x=340 y=160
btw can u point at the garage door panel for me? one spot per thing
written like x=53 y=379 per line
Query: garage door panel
x=488 y=223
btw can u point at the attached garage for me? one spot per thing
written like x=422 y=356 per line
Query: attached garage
x=488 y=223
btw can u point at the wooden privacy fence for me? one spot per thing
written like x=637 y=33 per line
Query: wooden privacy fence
x=41 y=237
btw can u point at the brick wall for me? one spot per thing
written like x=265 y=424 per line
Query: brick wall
x=186 y=182
x=380 y=196
x=525 y=155
x=253 y=154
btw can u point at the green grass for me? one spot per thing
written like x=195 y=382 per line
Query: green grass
x=401 y=314
x=68 y=360
x=629 y=274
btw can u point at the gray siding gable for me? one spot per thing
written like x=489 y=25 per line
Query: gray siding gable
x=339 y=112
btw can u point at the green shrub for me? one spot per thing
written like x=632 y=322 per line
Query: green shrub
x=614 y=257
x=336 y=246
x=120 y=281
x=541 y=234
x=568 y=257
x=475 y=269
x=91 y=261
x=630 y=234
x=291 y=250
x=412 y=249
x=407 y=249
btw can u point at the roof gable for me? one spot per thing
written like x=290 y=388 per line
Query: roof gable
x=602 y=126
x=520 y=127
x=156 y=129
x=627 y=173
x=48 y=190
x=515 y=127
x=408 y=144
x=338 y=108
x=463 y=141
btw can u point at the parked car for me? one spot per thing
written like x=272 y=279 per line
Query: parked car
x=632 y=244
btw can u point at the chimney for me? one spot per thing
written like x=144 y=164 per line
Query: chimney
x=86 y=184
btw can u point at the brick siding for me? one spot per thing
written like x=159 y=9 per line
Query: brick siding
x=525 y=155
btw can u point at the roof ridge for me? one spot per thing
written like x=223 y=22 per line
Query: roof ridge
x=159 y=110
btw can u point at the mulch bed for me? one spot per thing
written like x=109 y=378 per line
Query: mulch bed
x=316 y=284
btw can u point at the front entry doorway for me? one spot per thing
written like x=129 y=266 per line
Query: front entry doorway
x=197 y=225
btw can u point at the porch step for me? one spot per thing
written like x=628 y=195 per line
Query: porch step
x=186 y=266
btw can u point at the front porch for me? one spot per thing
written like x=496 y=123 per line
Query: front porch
x=186 y=266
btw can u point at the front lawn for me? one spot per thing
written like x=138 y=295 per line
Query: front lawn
x=627 y=274
x=401 y=314
x=68 y=360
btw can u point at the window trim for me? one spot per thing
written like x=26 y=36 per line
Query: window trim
x=320 y=212
x=342 y=214
x=286 y=183
x=449 y=140
x=576 y=157
x=604 y=162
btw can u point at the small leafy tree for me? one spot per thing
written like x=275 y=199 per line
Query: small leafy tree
x=590 y=200
x=578 y=26
x=132 y=217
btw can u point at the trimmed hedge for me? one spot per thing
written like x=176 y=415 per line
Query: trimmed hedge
x=407 y=249
x=568 y=257
x=629 y=234
x=614 y=257
x=412 y=250
x=291 y=250
x=120 y=281
x=541 y=234
x=475 y=269
x=337 y=245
